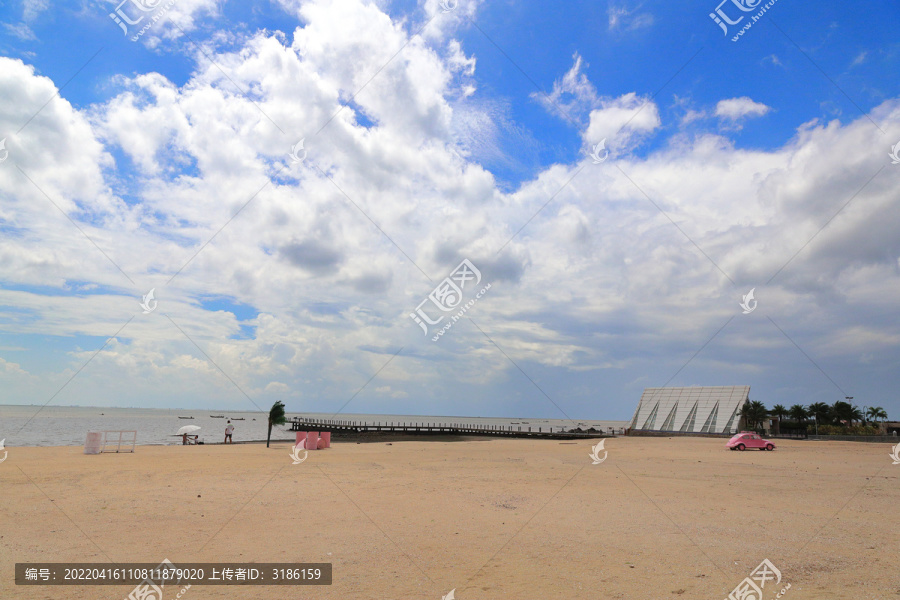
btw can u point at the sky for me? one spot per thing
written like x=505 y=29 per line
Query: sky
x=447 y=207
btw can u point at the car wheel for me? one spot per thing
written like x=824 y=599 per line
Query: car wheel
x=741 y=447
x=770 y=447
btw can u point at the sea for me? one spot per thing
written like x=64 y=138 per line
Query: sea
x=25 y=425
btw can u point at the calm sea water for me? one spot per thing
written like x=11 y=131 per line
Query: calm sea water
x=69 y=425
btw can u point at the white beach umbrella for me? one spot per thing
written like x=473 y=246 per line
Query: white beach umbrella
x=188 y=429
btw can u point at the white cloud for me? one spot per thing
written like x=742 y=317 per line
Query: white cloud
x=622 y=121
x=386 y=390
x=572 y=95
x=773 y=58
x=156 y=21
x=32 y=9
x=623 y=18
x=692 y=115
x=12 y=368
x=20 y=30
x=276 y=387
x=736 y=108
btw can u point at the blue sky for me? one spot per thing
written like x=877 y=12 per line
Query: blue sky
x=295 y=281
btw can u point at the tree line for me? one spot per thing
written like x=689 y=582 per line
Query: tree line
x=838 y=414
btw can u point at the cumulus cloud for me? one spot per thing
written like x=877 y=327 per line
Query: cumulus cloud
x=737 y=108
x=622 y=121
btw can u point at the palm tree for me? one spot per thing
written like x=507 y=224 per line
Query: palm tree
x=820 y=411
x=841 y=412
x=276 y=417
x=754 y=413
x=778 y=411
x=845 y=412
x=875 y=413
x=798 y=413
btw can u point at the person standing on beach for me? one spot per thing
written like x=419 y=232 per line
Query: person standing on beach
x=229 y=429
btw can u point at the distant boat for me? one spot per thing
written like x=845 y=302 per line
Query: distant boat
x=217 y=416
x=241 y=419
x=185 y=417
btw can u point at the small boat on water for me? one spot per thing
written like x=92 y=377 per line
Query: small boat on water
x=185 y=417
x=240 y=419
x=217 y=416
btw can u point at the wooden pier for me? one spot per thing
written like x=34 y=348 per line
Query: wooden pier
x=426 y=428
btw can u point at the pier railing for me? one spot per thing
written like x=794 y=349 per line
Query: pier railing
x=429 y=428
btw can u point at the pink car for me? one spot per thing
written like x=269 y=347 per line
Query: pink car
x=748 y=439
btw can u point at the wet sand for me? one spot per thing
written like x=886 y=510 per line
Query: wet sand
x=519 y=519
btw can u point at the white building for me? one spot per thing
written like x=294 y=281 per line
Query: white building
x=701 y=409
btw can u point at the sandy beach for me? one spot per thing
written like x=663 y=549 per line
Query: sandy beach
x=660 y=518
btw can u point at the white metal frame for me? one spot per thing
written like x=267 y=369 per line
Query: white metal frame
x=116 y=441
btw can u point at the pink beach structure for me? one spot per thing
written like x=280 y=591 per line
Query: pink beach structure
x=301 y=439
x=312 y=440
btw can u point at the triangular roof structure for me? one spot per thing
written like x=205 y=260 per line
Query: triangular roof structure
x=700 y=409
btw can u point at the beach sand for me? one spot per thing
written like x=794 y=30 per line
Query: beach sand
x=517 y=519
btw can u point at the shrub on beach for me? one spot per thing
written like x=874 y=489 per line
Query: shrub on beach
x=851 y=430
